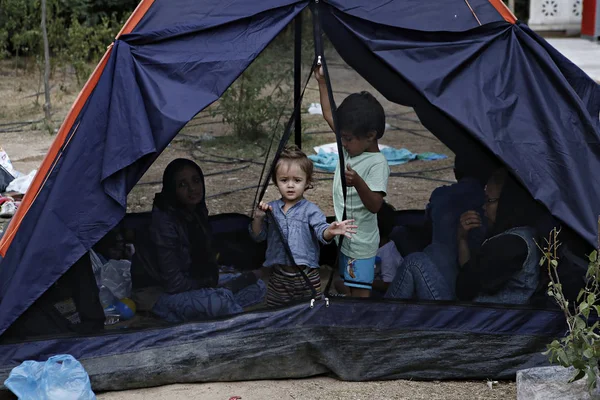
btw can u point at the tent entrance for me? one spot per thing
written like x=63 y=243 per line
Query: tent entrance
x=434 y=62
x=232 y=162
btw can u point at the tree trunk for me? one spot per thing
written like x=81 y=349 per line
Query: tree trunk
x=47 y=105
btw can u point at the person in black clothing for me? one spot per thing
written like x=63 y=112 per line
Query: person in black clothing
x=446 y=204
x=177 y=265
x=503 y=270
x=506 y=267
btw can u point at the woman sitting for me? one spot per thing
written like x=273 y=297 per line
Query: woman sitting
x=506 y=268
x=503 y=270
x=179 y=258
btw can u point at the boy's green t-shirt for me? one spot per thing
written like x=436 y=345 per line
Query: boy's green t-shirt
x=374 y=170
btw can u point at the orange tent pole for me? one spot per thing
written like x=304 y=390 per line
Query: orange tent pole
x=55 y=152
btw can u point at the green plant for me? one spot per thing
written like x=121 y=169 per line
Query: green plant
x=580 y=348
x=254 y=105
x=79 y=31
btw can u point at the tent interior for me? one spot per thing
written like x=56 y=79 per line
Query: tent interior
x=353 y=339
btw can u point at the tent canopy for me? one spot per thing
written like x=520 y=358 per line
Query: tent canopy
x=478 y=81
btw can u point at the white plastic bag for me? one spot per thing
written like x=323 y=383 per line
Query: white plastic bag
x=315 y=109
x=7 y=164
x=22 y=183
x=116 y=276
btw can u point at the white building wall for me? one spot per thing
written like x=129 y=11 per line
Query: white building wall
x=555 y=15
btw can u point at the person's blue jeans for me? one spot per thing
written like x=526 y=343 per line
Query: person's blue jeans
x=196 y=305
x=429 y=275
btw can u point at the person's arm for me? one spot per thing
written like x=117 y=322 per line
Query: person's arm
x=373 y=187
x=468 y=220
x=324 y=96
x=258 y=228
x=489 y=270
x=326 y=232
x=372 y=200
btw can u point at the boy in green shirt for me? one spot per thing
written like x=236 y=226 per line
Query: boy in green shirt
x=361 y=122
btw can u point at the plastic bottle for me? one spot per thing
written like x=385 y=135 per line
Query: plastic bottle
x=109 y=304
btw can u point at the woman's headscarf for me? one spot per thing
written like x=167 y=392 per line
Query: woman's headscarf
x=168 y=196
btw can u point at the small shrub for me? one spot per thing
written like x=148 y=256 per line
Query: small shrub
x=253 y=103
x=580 y=348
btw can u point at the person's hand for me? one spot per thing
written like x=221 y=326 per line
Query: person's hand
x=319 y=74
x=468 y=220
x=346 y=228
x=352 y=177
x=261 y=210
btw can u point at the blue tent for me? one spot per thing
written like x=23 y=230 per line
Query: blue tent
x=479 y=80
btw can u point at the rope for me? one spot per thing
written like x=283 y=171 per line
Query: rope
x=286 y=135
x=288 y=250
x=317 y=30
x=264 y=166
x=284 y=139
x=473 y=12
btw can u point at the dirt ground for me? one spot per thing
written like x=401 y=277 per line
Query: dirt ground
x=324 y=388
x=234 y=165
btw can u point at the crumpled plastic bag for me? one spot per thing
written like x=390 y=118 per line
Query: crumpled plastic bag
x=22 y=183
x=116 y=276
x=315 y=109
x=7 y=164
x=62 y=377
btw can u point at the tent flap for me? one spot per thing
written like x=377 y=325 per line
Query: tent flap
x=145 y=95
x=503 y=93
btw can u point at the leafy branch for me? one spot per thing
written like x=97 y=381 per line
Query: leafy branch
x=580 y=348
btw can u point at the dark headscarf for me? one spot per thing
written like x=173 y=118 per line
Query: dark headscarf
x=516 y=208
x=204 y=266
x=167 y=198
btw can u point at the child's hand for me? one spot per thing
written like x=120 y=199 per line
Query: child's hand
x=319 y=74
x=262 y=209
x=345 y=228
x=352 y=177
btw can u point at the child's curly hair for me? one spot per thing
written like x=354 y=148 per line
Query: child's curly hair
x=293 y=154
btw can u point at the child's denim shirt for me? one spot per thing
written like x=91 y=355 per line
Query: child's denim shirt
x=302 y=226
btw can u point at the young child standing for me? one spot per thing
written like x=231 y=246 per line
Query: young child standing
x=361 y=122
x=303 y=225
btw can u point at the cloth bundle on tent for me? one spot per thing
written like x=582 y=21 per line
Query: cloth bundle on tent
x=479 y=80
